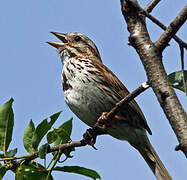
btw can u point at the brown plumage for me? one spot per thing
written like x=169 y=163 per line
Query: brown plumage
x=90 y=89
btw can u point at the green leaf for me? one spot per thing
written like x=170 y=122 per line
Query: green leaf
x=43 y=151
x=79 y=170
x=61 y=135
x=52 y=136
x=6 y=125
x=19 y=175
x=42 y=129
x=12 y=153
x=64 y=132
x=67 y=126
x=27 y=137
x=176 y=79
x=31 y=171
x=3 y=170
x=33 y=136
x=55 y=116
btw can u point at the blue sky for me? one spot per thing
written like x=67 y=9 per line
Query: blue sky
x=30 y=72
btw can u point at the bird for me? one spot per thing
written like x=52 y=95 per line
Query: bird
x=90 y=88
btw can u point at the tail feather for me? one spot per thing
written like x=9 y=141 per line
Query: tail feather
x=154 y=162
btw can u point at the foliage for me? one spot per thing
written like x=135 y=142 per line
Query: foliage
x=32 y=138
x=178 y=80
x=33 y=135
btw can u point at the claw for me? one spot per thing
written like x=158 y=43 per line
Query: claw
x=90 y=137
x=94 y=147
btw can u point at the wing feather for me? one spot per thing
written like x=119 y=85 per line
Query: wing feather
x=120 y=90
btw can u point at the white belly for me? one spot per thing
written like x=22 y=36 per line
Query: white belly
x=87 y=103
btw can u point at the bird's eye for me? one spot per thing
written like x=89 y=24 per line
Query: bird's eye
x=77 y=38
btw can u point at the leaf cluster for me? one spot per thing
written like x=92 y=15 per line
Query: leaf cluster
x=33 y=143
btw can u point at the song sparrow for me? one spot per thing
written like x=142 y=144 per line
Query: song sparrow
x=90 y=89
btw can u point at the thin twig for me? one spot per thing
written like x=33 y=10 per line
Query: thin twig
x=54 y=164
x=172 y=29
x=58 y=148
x=156 y=21
x=151 y=5
x=124 y=101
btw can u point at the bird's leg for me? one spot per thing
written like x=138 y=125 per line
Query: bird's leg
x=89 y=137
x=103 y=121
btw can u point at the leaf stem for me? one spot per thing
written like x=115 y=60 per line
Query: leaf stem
x=12 y=158
x=56 y=160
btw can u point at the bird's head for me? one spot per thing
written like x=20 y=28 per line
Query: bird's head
x=75 y=44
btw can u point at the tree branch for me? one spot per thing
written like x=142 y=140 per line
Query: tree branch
x=59 y=148
x=151 y=58
x=172 y=29
x=151 y=5
x=156 y=21
x=124 y=101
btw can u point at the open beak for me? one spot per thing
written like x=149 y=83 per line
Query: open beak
x=60 y=36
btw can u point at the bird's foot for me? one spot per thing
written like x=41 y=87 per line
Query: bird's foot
x=103 y=121
x=89 y=137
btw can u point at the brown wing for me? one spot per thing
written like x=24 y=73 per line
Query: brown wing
x=120 y=90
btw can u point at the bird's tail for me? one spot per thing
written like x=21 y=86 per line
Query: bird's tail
x=152 y=159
